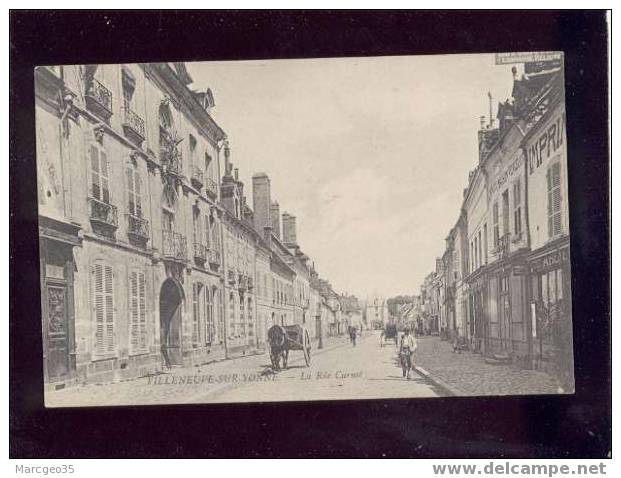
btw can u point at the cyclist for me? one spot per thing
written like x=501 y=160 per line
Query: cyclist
x=408 y=347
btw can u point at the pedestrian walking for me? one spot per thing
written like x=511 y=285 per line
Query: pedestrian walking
x=352 y=335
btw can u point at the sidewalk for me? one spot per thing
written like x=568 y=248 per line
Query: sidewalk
x=467 y=374
x=143 y=390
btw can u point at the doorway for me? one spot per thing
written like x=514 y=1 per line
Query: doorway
x=171 y=298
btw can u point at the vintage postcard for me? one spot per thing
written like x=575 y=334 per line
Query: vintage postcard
x=291 y=230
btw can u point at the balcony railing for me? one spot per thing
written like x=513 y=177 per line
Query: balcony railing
x=211 y=188
x=198 y=177
x=171 y=157
x=133 y=125
x=98 y=99
x=200 y=252
x=502 y=247
x=137 y=228
x=215 y=258
x=103 y=213
x=174 y=246
x=242 y=283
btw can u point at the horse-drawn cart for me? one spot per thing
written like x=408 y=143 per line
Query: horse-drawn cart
x=283 y=338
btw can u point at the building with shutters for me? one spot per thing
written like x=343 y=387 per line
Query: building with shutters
x=540 y=101
x=504 y=278
x=128 y=161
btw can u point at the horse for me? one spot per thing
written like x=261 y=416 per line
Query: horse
x=277 y=338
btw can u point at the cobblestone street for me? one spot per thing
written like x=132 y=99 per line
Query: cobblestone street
x=338 y=371
x=468 y=374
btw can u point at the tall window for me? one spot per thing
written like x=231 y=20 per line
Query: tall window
x=505 y=213
x=208 y=171
x=137 y=312
x=232 y=313
x=485 y=241
x=129 y=87
x=196 y=226
x=192 y=142
x=554 y=200
x=480 y=251
x=100 y=185
x=220 y=317
x=134 y=194
x=495 y=224
x=517 y=208
x=250 y=319
x=103 y=307
x=242 y=316
x=196 y=291
x=207 y=231
x=476 y=252
x=209 y=326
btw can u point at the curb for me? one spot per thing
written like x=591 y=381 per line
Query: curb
x=451 y=391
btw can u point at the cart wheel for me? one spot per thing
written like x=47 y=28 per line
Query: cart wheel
x=307 y=349
x=275 y=360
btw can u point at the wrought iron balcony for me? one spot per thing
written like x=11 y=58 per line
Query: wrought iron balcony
x=137 y=228
x=502 y=248
x=200 y=252
x=215 y=258
x=211 y=188
x=171 y=158
x=98 y=99
x=133 y=125
x=103 y=214
x=174 y=246
x=242 y=282
x=198 y=177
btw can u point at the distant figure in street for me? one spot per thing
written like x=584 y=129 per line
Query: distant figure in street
x=408 y=347
x=352 y=335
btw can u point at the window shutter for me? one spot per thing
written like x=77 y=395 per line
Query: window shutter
x=138 y=193
x=195 y=313
x=98 y=301
x=105 y=188
x=556 y=197
x=95 y=179
x=142 y=310
x=130 y=191
x=133 y=311
x=109 y=291
x=554 y=200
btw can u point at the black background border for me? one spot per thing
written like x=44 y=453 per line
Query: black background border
x=576 y=426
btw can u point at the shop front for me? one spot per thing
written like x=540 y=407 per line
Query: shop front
x=551 y=310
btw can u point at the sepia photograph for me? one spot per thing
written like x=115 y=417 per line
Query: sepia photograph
x=304 y=229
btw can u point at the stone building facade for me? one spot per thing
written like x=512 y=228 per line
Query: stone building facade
x=127 y=164
x=515 y=266
x=150 y=255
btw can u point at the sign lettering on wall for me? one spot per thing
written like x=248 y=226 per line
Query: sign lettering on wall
x=527 y=57
x=502 y=178
x=547 y=143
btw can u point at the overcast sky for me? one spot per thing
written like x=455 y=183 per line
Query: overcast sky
x=370 y=154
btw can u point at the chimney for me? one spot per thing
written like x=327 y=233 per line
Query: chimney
x=288 y=229
x=275 y=218
x=227 y=159
x=261 y=201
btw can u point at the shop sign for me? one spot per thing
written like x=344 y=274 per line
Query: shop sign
x=527 y=57
x=553 y=260
x=547 y=143
x=502 y=178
